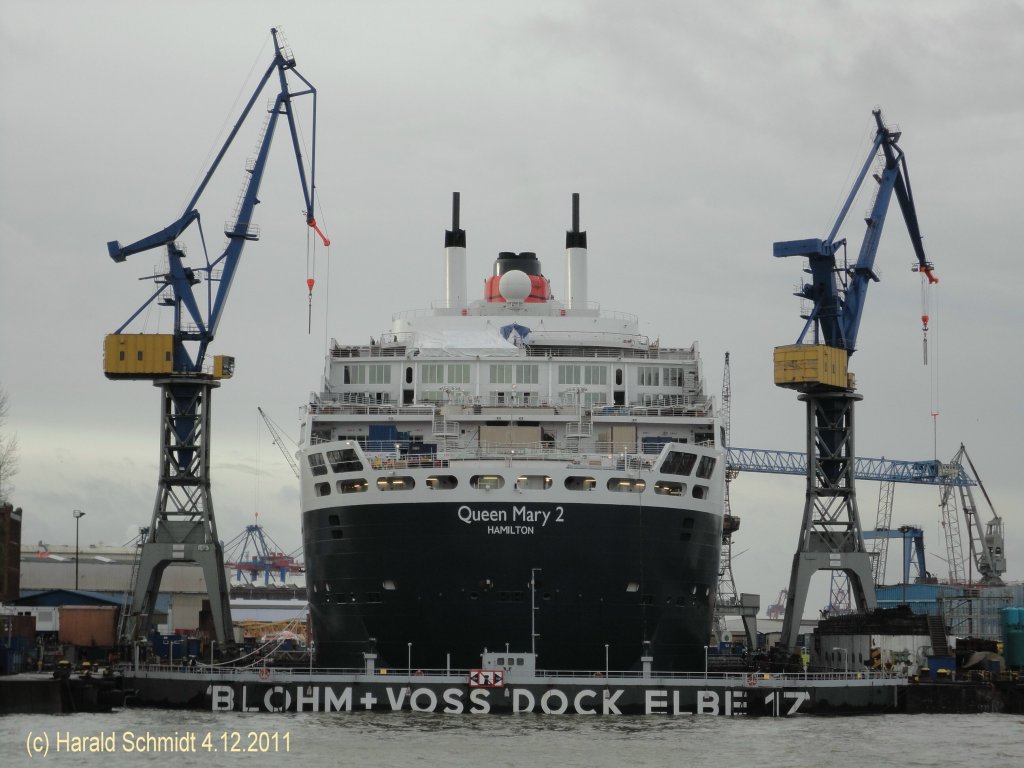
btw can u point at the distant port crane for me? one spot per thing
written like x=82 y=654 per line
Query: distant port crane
x=253 y=553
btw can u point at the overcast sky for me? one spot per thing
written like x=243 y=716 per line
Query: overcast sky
x=697 y=134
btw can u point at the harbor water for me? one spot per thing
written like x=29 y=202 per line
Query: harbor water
x=398 y=740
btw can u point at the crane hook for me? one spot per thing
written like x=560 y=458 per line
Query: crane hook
x=310 y=282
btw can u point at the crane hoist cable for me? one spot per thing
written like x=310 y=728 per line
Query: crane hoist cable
x=310 y=280
x=934 y=372
x=311 y=251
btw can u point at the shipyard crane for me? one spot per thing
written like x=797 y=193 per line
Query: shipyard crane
x=831 y=537
x=726 y=595
x=985 y=545
x=183 y=528
x=727 y=600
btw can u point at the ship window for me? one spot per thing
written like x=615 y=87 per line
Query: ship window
x=389 y=585
x=688 y=522
x=568 y=374
x=618 y=377
x=706 y=467
x=501 y=373
x=626 y=484
x=333 y=520
x=345 y=460
x=699 y=491
x=534 y=482
x=379 y=374
x=354 y=374
x=595 y=374
x=669 y=488
x=442 y=482
x=432 y=373
x=647 y=376
x=678 y=463
x=487 y=482
x=672 y=377
x=323 y=489
x=356 y=485
x=408 y=375
x=632 y=586
x=458 y=373
x=400 y=483
x=579 y=483
x=527 y=373
x=316 y=464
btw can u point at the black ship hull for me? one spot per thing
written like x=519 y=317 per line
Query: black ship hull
x=432 y=585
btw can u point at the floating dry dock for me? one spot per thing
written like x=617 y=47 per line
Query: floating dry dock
x=485 y=691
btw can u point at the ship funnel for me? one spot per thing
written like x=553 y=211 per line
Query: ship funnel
x=576 y=259
x=455 y=261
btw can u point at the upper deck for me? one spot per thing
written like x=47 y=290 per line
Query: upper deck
x=517 y=369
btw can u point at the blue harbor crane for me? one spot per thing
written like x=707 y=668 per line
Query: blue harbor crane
x=947 y=476
x=925 y=472
x=831 y=536
x=183 y=528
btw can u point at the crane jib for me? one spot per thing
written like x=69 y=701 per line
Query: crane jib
x=197 y=324
x=838 y=292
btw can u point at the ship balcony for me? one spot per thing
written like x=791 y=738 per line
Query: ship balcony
x=462 y=406
x=606 y=454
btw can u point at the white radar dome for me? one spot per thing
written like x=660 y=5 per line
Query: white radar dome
x=515 y=285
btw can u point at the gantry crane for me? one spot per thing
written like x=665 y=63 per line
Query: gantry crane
x=831 y=536
x=183 y=528
x=250 y=554
x=887 y=472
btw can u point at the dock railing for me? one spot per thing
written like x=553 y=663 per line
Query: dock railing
x=619 y=677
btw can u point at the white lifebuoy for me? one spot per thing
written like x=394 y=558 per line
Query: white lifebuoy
x=264 y=673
